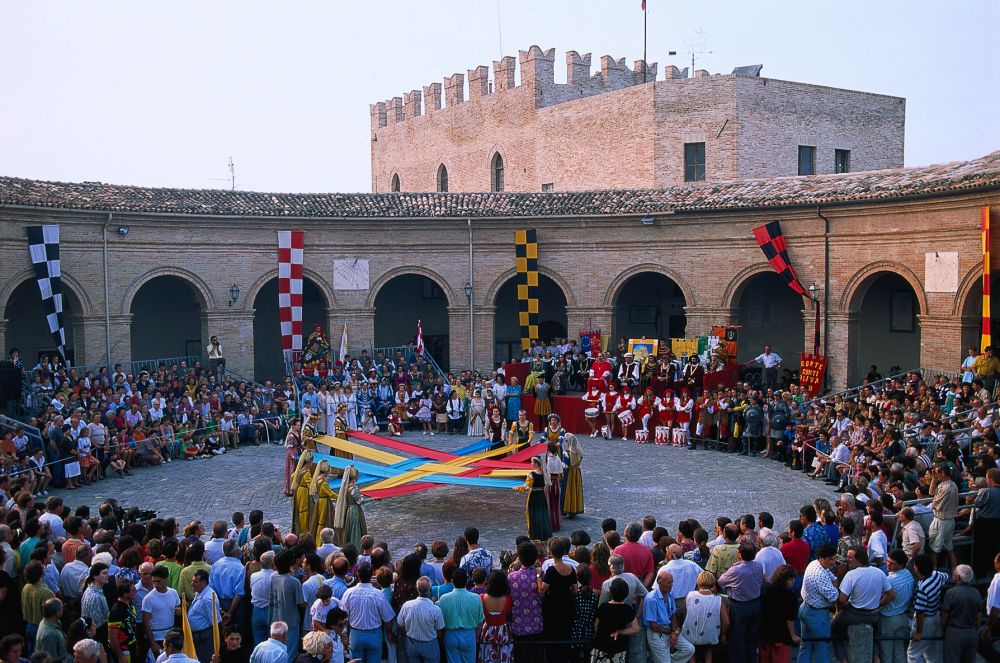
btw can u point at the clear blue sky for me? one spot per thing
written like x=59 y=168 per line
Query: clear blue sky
x=162 y=93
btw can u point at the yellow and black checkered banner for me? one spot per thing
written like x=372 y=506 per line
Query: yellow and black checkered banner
x=526 y=251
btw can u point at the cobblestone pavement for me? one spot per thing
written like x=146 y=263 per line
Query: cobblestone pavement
x=622 y=480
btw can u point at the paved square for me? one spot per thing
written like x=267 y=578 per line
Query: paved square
x=623 y=480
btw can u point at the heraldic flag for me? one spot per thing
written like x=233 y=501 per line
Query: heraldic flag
x=772 y=243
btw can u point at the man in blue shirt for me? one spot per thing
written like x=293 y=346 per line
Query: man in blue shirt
x=463 y=613
x=204 y=609
x=173 y=647
x=895 y=620
x=663 y=629
x=227 y=579
x=272 y=650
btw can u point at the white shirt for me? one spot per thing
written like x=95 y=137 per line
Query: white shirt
x=768 y=359
x=55 y=524
x=685 y=573
x=646 y=539
x=993 y=594
x=770 y=558
x=877 y=546
x=160 y=606
x=213 y=550
x=566 y=560
x=864 y=587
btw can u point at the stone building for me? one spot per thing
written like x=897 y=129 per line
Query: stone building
x=894 y=254
x=622 y=128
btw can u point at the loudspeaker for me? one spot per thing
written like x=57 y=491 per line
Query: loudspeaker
x=10 y=382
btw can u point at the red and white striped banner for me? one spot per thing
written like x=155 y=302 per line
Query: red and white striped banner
x=290 y=243
x=420 y=339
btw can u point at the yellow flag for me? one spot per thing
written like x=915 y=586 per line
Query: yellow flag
x=189 y=650
x=215 y=625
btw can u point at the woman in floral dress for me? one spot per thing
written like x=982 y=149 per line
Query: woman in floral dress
x=496 y=644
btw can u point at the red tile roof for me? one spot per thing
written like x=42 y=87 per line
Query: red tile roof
x=870 y=186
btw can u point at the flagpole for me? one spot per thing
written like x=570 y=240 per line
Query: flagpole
x=644 y=41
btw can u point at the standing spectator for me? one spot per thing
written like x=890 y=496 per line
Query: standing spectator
x=814 y=534
x=944 y=506
x=862 y=591
x=961 y=614
x=913 y=534
x=86 y=651
x=463 y=613
x=285 y=602
x=158 y=610
x=194 y=559
x=779 y=607
x=50 y=638
x=927 y=612
x=369 y=615
x=203 y=611
x=123 y=635
x=743 y=583
x=818 y=595
x=93 y=604
x=476 y=557
x=616 y=624
x=72 y=576
x=273 y=650
x=725 y=554
x=260 y=597
x=34 y=595
x=895 y=620
x=422 y=623
x=685 y=574
x=216 y=360
x=227 y=578
x=663 y=627
x=526 y=602
x=770 y=363
x=213 y=547
x=637 y=557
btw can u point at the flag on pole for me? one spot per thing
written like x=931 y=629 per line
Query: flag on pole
x=215 y=625
x=343 y=343
x=987 y=338
x=420 y=339
x=643 y=5
x=189 y=649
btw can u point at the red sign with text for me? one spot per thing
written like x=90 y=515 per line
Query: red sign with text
x=812 y=368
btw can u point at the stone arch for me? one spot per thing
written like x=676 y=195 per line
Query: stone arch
x=611 y=295
x=442 y=181
x=494 y=289
x=734 y=290
x=854 y=293
x=973 y=278
x=201 y=289
x=410 y=269
x=69 y=282
x=316 y=278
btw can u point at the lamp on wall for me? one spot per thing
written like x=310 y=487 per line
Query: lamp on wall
x=813 y=289
x=468 y=292
x=122 y=230
x=234 y=294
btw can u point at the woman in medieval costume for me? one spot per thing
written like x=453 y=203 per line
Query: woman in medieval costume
x=321 y=403
x=536 y=508
x=573 y=494
x=496 y=428
x=521 y=432
x=302 y=505
x=325 y=498
x=348 y=517
x=543 y=399
x=513 y=398
x=554 y=469
x=340 y=428
x=477 y=414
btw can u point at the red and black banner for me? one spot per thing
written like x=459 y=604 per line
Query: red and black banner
x=772 y=243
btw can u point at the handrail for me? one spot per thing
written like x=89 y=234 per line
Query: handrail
x=12 y=424
x=137 y=365
x=923 y=372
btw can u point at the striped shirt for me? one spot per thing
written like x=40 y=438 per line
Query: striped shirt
x=902 y=584
x=927 y=598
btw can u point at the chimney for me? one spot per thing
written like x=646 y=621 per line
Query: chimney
x=577 y=68
x=503 y=72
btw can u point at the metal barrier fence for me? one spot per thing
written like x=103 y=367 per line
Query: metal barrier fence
x=137 y=366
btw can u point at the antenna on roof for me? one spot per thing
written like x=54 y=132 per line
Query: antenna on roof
x=232 y=176
x=697 y=47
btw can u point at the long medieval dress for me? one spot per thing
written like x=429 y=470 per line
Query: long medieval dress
x=573 y=493
x=536 y=507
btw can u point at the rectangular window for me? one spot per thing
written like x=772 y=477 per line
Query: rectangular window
x=547 y=187
x=694 y=162
x=807 y=160
x=841 y=161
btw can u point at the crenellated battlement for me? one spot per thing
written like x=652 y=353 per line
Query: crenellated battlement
x=534 y=70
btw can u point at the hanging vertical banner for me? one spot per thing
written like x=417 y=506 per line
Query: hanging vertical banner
x=590 y=342
x=290 y=243
x=43 y=246
x=987 y=338
x=772 y=242
x=811 y=371
x=526 y=257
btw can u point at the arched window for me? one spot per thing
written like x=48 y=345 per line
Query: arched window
x=442 y=179
x=394 y=187
x=496 y=172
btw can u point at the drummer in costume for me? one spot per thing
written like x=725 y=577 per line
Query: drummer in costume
x=573 y=492
x=666 y=411
x=592 y=407
x=626 y=410
x=706 y=411
x=536 y=508
x=685 y=409
x=496 y=428
x=609 y=405
x=644 y=410
x=521 y=431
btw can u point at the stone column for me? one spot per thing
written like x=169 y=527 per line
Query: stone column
x=700 y=320
x=234 y=327
x=842 y=366
x=941 y=341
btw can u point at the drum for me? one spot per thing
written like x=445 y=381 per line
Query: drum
x=591 y=412
x=625 y=416
x=642 y=436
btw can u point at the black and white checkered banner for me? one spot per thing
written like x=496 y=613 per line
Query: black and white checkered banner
x=43 y=244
